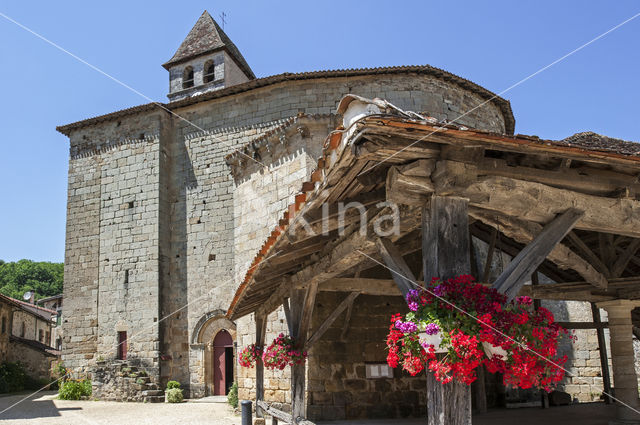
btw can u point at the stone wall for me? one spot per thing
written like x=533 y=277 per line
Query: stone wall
x=80 y=321
x=5 y=329
x=338 y=386
x=32 y=326
x=416 y=92
x=128 y=272
x=585 y=383
x=36 y=362
x=277 y=383
x=111 y=262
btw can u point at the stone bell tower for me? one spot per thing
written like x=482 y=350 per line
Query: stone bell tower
x=206 y=60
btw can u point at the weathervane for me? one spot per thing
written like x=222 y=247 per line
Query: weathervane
x=223 y=17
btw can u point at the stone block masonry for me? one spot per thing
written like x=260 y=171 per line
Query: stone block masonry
x=160 y=230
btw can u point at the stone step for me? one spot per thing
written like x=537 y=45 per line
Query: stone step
x=154 y=399
x=152 y=393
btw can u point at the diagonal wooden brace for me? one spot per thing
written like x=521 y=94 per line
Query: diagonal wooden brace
x=400 y=271
x=527 y=261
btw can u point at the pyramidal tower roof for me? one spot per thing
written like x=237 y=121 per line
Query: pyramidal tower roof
x=206 y=36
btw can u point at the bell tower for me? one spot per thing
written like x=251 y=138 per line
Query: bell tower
x=206 y=60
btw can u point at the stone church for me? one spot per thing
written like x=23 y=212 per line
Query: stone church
x=169 y=202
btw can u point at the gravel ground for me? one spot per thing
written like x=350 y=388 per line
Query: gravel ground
x=45 y=409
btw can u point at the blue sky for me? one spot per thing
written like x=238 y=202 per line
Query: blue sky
x=494 y=44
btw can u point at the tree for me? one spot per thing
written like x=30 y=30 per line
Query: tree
x=43 y=277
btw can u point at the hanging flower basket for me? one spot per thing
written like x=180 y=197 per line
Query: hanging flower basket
x=473 y=325
x=249 y=355
x=283 y=352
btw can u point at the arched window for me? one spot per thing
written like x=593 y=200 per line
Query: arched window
x=209 y=71
x=187 y=77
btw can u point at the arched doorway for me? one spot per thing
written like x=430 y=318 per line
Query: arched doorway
x=206 y=330
x=222 y=362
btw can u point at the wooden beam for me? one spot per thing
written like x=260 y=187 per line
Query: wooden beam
x=400 y=271
x=473 y=258
x=537 y=202
x=526 y=263
x=604 y=358
x=287 y=314
x=261 y=329
x=524 y=232
x=623 y=260
x=347 y=252
x=332 y=318
x=410 y=183
x=490 y=251
x=584 y=325
x=307 y=311
x=582 y=179
x=347 y=321
x=275 y=300
x=512 y=247
x=540 y=203
x=588 y=254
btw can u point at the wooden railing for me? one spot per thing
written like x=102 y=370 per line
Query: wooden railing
x=279 y=415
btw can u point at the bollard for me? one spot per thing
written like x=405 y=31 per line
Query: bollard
x=247 y=416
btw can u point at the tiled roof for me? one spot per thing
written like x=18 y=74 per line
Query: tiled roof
x=36 y=345
x=597 y=142
x=206 y=36
x=586 y=145
x=41 y=312
x=503 y=104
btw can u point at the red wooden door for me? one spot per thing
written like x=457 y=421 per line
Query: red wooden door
x=220 y=378
x=122 y=345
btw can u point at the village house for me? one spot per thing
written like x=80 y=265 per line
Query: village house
x=183 y=246
x=54 y=303
x=25 y=336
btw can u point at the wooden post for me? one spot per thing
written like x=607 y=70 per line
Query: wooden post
x=261 y=329
x=480 y=391
x=536 y=306
x=445 y=254
x=301 y=311
x=604 y=358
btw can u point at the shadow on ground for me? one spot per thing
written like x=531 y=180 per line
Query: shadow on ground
x=26 y=406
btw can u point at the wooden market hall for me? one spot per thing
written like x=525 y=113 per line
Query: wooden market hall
x=566 y=210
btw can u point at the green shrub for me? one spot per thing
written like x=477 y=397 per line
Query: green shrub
x=74 y=389
x=174 y=395
x=232 y=397
x=12 y=377
x=171 y=385
x=140 y=381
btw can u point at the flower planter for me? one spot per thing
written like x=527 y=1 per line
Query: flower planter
x=494 y=350
x=435 y=340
